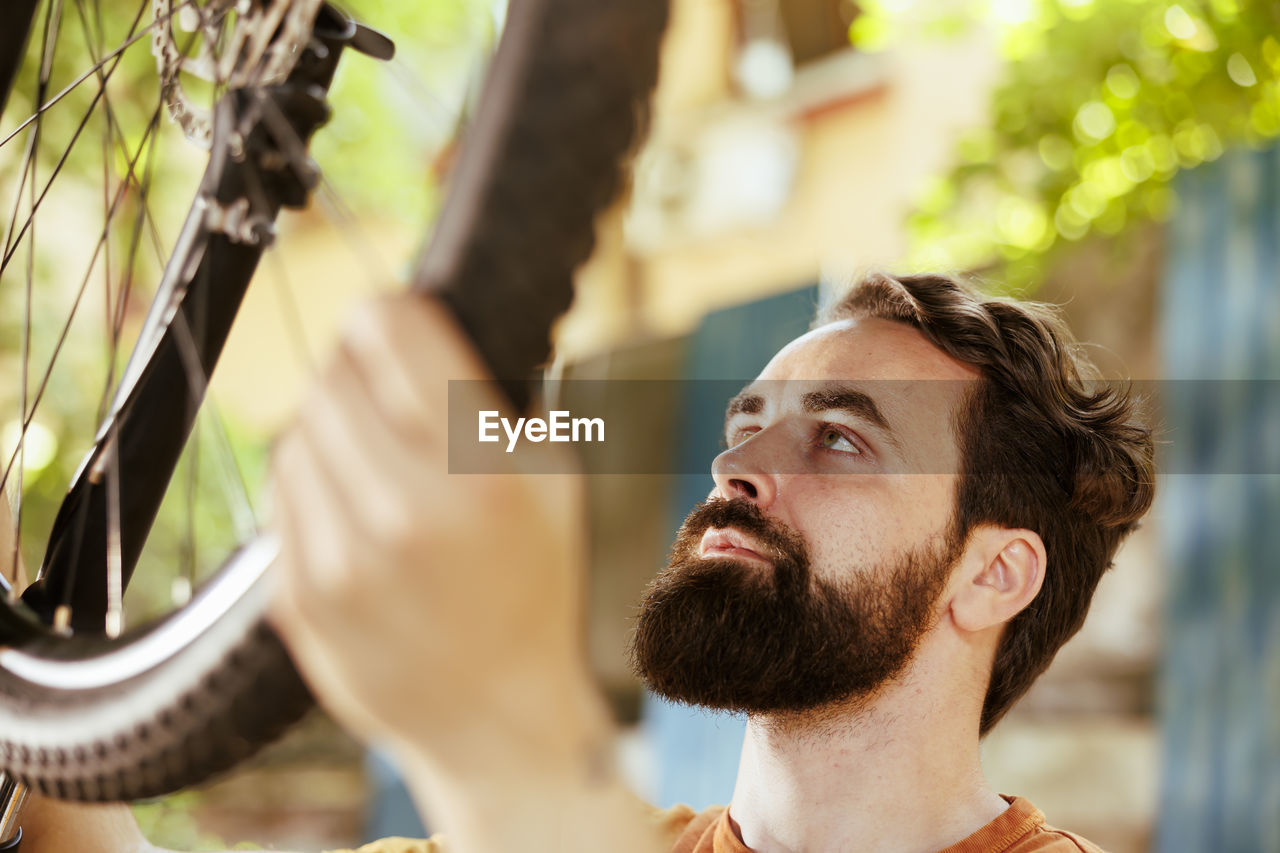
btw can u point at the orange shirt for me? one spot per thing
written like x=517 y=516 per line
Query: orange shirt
x=1018 y=829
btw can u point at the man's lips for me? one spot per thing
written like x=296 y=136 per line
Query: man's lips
x=730 y=543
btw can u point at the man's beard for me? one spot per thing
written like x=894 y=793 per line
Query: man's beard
x=733 y=636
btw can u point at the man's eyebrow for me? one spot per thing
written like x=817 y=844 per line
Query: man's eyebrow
x=743 y=404
x=855 y=402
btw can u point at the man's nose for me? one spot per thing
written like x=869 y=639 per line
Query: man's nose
x=744 y=471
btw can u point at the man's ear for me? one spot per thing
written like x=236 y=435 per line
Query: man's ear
x=1005 y=568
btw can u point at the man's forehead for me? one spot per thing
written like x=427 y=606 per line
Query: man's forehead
x=864 y=348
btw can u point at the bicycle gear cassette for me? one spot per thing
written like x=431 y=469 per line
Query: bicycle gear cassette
x=229 y=43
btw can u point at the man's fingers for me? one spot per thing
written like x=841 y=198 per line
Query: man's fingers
x=361 y=455
x=408 y=348
x=314 y=518
x=289 y=615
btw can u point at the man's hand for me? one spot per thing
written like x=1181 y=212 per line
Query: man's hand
x=55 y=826
x=413 y=597
x=441 y=613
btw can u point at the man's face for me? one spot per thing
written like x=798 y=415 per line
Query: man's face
x=815 y=567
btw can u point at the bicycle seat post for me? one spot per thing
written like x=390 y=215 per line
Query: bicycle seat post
x=12 y=795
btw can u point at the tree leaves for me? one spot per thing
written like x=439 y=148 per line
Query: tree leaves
x=1101 y=105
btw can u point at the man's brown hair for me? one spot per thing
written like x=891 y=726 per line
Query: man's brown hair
x=1044 y=446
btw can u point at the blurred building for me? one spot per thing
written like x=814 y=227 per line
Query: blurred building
x=1220 y=664
x=777 y=153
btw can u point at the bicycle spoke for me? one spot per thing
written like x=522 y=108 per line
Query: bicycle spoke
x=187 y=560
x=114 y=619
x=115 y=54
x=14 y=557
x=62 y=337
x=429 y=104
x=84 y=121
x=25 y=173
x=116 y=314
x=52 y=25
x=243 y=515
x=113 y=132
x=197 y=382
x=114 y=622
x=33 y=141
x=356 y=237
x=103 y=78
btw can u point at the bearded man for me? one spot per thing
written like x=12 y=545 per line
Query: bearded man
x=916 y=503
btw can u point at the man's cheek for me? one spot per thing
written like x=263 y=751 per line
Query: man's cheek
x=855 y=537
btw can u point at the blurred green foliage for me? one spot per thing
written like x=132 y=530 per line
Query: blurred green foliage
x=1102 y=103
x=169 y=823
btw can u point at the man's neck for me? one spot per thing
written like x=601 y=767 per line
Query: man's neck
x=893 y=775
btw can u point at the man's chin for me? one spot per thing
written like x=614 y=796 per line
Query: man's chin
x=752 y=703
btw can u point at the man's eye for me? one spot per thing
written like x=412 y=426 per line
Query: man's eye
x=833 y=439
x=741 y=434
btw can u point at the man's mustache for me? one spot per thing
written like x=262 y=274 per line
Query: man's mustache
x=783 y=543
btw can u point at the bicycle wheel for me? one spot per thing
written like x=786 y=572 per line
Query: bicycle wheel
x=97 y=717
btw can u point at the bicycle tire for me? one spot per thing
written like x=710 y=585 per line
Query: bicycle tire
x=564 y=103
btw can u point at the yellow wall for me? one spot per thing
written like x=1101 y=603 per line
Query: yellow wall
x=860 y=165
